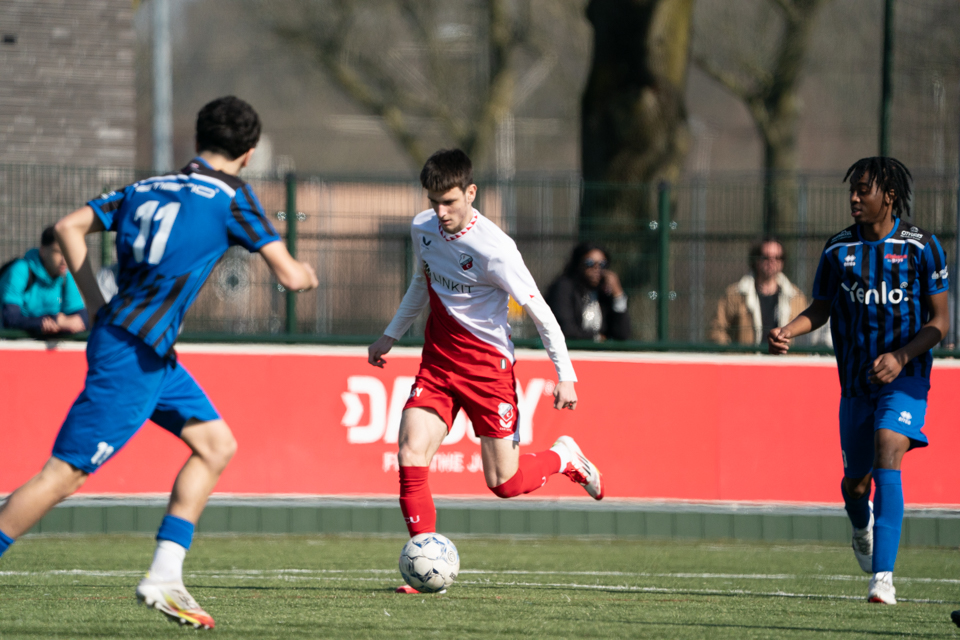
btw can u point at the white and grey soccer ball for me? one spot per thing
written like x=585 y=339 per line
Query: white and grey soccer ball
x=429 y=562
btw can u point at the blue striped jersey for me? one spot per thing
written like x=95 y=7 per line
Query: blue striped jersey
x=878 y=293
x=171 y=231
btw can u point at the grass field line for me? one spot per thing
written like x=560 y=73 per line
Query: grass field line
x=320 y=573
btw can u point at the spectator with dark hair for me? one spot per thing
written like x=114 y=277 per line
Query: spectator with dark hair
x=39 y=295
x=759 y=301
x=587 y=297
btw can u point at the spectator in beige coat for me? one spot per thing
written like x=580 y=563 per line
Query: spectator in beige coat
x=760 y=301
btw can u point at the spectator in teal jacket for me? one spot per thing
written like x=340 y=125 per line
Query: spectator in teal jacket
x=38 y=294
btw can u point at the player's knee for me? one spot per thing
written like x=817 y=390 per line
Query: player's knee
x=219 y=450
x=510 y=488
x=856 y=488
x=411 y=456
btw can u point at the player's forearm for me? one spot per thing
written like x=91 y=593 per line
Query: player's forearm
x=71 y=232
x=552 y=338
x=810 y=319
x=927 y=338
x=414 y=300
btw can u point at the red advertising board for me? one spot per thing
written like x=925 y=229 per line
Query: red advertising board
x=321 y=421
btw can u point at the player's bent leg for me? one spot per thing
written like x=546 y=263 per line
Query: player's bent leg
x=509 y=474
x=531 y=471
x=212 y=445
x=856 y=499
x=37 y=496
x=421 y=432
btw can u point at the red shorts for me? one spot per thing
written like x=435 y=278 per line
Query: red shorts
x=491 y=404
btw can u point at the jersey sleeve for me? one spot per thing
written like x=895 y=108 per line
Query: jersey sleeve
x=414 y=300
x=508 y=271
x=106 y=207
x=825 y=283
x=933 y=268
x=72 y=300
x=247 y=224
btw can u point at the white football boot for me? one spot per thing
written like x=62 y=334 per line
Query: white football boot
x=881 y=588
x=863 y=544
x=579 y=469
x=173 y=600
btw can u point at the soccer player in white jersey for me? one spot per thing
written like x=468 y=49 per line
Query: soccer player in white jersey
x=467 y=268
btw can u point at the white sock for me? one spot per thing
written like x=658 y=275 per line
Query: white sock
x=168 y=562
x=883 y=576
x=564 y=454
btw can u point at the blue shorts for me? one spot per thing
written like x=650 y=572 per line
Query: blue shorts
x=127 y=383
x=899 y=406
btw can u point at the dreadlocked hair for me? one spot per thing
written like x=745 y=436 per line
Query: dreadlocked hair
x=889 y=174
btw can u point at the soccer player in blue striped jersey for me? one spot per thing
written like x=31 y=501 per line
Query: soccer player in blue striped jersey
x=882 y=283
x=171 y=231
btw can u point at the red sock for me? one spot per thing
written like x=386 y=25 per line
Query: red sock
x=532 y=474
x=416 y=501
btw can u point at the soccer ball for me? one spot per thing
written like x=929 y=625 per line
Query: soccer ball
x=429 y=562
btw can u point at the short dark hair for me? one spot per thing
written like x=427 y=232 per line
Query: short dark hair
x=889 y=174
x=572 y=270
x=47 y=238
x=756 y=251
x=446 y=169
x=228 y=126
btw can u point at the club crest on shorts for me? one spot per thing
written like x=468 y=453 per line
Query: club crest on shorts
x=507 y=414
x=466 y=261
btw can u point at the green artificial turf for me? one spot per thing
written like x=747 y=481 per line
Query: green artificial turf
x=342 y=587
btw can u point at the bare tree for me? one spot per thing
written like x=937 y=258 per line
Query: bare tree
x=423 y=64
x=758 y=53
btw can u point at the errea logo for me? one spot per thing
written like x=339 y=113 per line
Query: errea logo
x=850 y=260
x=906 y=418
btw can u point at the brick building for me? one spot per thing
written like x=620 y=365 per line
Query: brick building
x=67 y=82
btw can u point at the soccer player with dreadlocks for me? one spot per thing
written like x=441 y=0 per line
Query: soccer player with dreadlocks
x=882 y=283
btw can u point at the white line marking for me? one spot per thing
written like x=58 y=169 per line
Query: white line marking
x=305 y=573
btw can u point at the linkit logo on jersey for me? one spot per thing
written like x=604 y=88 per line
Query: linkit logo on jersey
x=466 y=261
x=872 y=296
x=939 y=275
x=507 y=414
x=456 y=287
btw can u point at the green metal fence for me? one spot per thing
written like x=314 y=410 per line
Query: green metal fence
x=677 y=247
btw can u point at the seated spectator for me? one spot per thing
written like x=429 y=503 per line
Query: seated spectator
x=587 y=298
x=760 y=301
x=38 y=294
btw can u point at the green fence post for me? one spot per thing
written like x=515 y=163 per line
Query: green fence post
x=292 y=247
x=663 y=268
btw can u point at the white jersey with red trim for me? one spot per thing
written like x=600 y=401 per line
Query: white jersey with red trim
x=468 y=278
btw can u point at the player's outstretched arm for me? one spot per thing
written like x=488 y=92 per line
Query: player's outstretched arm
x=70 y=232
x=810 y=319
x=887 y=366
x=294 y=275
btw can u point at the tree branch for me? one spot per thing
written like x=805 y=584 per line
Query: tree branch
x=728 y=80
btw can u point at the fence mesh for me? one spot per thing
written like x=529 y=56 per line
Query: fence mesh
x=356 y=234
